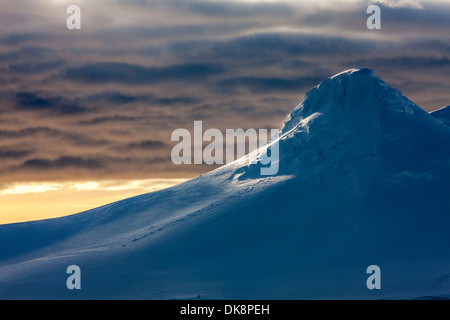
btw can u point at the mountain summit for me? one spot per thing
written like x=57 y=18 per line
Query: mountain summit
x=364 y=179
x=355 y=117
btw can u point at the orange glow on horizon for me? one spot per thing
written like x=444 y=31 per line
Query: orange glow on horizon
x=46 y=200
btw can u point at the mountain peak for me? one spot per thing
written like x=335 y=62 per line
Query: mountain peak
x=352 y=116
x=355 y=71
x=352 y=91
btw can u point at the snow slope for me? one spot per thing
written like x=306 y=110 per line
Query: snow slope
x=364 y=179
x=443 y=114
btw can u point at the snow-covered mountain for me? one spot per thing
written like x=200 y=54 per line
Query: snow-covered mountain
x=364 y=180
x=443 y=115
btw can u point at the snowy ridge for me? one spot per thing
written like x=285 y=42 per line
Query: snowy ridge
x=364 y=179
x=443 y=115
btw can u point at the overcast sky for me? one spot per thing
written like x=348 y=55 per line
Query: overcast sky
x=101 y=102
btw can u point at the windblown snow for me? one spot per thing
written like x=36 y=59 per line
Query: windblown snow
x=364 y=180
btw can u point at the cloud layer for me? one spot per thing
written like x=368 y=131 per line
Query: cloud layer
x=101 y=102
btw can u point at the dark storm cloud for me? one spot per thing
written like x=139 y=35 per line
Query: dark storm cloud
x=26 y=37
x=262 y=109
x=119 y=98
x=268 y=84
x=46 y=133
x=134 y=74
x=225 y=9
x=406 y=62
x=93 y=165
x=271 y=47
x=114 y=98
x=146 y=145
x=29 y=132
x=164 y=34
x=167 y=101
x=62 y=162
x=55 y=104
x=12 y=153
x=106 y=119
x=25 y=54
x=221 y=9
x=35 y=67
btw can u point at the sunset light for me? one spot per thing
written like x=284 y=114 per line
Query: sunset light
x=44 y=200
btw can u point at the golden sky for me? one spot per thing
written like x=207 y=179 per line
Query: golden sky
x=21 y=202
